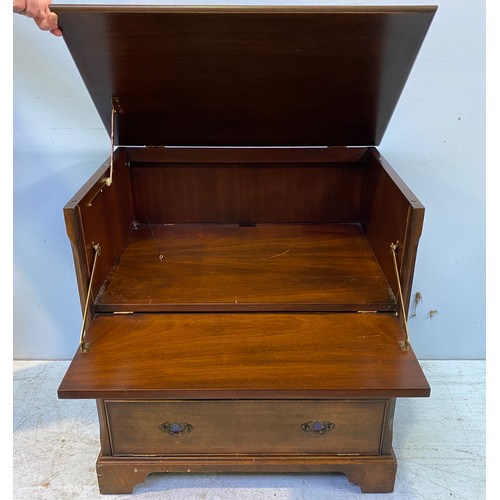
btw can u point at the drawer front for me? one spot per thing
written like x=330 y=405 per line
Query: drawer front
x=179 y=427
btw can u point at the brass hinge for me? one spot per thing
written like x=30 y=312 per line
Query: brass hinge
x=116 y=108
x=367 y=312
x=403 y=344
x=84 y=346
x=123 y=312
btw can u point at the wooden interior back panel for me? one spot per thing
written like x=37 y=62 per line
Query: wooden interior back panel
x=248 y=193
x=234 y=356
x=232 y=268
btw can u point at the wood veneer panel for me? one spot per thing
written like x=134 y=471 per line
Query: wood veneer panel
x=246 y=155
x=255 y=193
x=104 y=217
x=391 y=214
x=246 y=426
x=231 y=356
x=231 y=268
x=246 y=75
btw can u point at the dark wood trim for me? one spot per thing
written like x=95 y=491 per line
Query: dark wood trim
x=88 y=188
x=261 y=9
x=410 y=196
x=221 y=307
x=246 y=155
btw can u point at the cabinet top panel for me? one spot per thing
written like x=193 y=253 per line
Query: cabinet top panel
x=245 y=76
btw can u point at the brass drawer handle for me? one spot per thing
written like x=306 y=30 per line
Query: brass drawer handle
x=175 y=428
x=317 y=428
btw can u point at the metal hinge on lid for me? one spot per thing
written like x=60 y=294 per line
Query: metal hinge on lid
x=116 y=108
x=367 y=312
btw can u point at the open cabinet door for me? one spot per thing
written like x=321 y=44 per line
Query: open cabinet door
x=207 y=356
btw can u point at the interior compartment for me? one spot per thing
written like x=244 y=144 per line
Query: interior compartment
x=265 y=230
x=168 y=267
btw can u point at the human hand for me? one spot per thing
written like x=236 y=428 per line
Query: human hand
x=40 y=12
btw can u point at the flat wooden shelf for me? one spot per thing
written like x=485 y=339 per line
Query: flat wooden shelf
x=194 y=268
x=244 y=355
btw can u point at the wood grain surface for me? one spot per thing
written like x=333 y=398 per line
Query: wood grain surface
x=249 y=193
x=232 y=268
x=207 y=356
x=248 y=75
x=246 y=427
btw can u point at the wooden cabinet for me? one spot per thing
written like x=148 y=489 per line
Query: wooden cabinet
x=245 y=256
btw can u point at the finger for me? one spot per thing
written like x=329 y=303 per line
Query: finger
x=33 y=9
x=47 y=22
x=19 y=6
x=56 y=32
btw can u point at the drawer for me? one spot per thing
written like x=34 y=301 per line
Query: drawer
x=245 y=426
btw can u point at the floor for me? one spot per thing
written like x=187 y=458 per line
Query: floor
x=439 y=442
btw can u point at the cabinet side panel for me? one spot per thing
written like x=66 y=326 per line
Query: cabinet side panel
x=100 y=214
x=391 y=214
x=74 y=230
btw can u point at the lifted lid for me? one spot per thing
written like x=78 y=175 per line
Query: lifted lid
x=245 y=76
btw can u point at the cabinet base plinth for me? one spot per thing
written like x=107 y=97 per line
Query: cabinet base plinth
x=373 y=474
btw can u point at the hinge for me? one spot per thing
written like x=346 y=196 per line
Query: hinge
x=123 y=312
x=84 y=346
x=117 y=105
x=404 y=345
x=116 y=108
x=367 y=312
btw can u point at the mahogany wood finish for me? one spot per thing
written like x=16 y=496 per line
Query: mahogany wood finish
x=232 y=268
x=247 y=75
x=103 y=428
x=249 y=193
x=373 y=474
x=108 y=221
x=298 y=356
x=245 y=296
x=246 y=426
x=391 y=214
x=283 y=155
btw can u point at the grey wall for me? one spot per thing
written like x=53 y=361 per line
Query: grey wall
x=436 y=141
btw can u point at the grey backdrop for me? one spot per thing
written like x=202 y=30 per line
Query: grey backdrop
x=436 y=141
